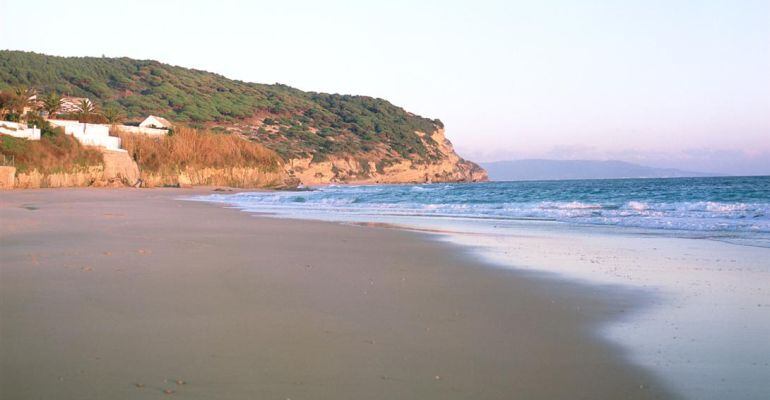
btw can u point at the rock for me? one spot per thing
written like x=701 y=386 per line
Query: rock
x=244 y=177
x=119 y=168
x=446 y=167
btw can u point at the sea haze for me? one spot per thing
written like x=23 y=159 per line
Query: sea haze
x=537 y=169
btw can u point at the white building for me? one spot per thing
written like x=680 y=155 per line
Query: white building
x=156 y=122
x=71 y=105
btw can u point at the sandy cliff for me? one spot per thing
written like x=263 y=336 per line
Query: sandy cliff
x=441 y=164
x=233 y=177
x=444 y=166
x=118 y=170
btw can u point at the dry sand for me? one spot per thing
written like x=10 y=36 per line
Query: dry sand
x=118 y=294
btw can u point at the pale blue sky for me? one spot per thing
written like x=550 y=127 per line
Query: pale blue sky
x=669 y=83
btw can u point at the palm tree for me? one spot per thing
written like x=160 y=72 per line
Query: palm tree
x=5 y=103
x=52 y=104
x=85 y=110
x=23 y=97
x=112 y=114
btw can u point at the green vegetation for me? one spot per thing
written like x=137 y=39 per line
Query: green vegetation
x=14 y=101
x=52 y=103
x=112 y=115
x=290 y=121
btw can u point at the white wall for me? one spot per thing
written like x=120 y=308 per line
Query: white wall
x=89 y=134
x=19 y=130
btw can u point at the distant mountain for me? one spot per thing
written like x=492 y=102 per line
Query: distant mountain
x=530 y=170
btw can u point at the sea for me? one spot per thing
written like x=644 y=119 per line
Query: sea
x=699 y=248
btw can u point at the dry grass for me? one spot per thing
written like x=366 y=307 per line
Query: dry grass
x=54 y=152
x=187 y=147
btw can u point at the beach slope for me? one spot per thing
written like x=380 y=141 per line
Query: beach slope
x=129 y=293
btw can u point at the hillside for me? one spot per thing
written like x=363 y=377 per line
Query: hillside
x=322 y=137
x=529 y=170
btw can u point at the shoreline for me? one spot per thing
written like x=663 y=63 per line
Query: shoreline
x=106 y=289
x=704 y=332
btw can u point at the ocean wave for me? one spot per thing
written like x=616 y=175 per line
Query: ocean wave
x=638 y=206
x=572 y=205
x=667 y=207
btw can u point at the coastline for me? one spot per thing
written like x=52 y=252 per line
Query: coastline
x=105 y=289
x=704 y=327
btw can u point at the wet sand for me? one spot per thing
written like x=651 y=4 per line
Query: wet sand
x=122 y=293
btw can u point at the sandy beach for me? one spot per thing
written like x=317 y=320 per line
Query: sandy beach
x=129 y=293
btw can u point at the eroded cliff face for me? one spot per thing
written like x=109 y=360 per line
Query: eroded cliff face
x=440 y=164
x=239 y=177
x=444 y=165
x=118 y=170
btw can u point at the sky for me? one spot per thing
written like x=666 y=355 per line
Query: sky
x=683 y=84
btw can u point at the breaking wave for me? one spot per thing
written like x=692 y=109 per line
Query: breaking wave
x=727 y=205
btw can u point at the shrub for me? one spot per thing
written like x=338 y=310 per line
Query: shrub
x=188 y=147
x=137 y=88
x=46 y=129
